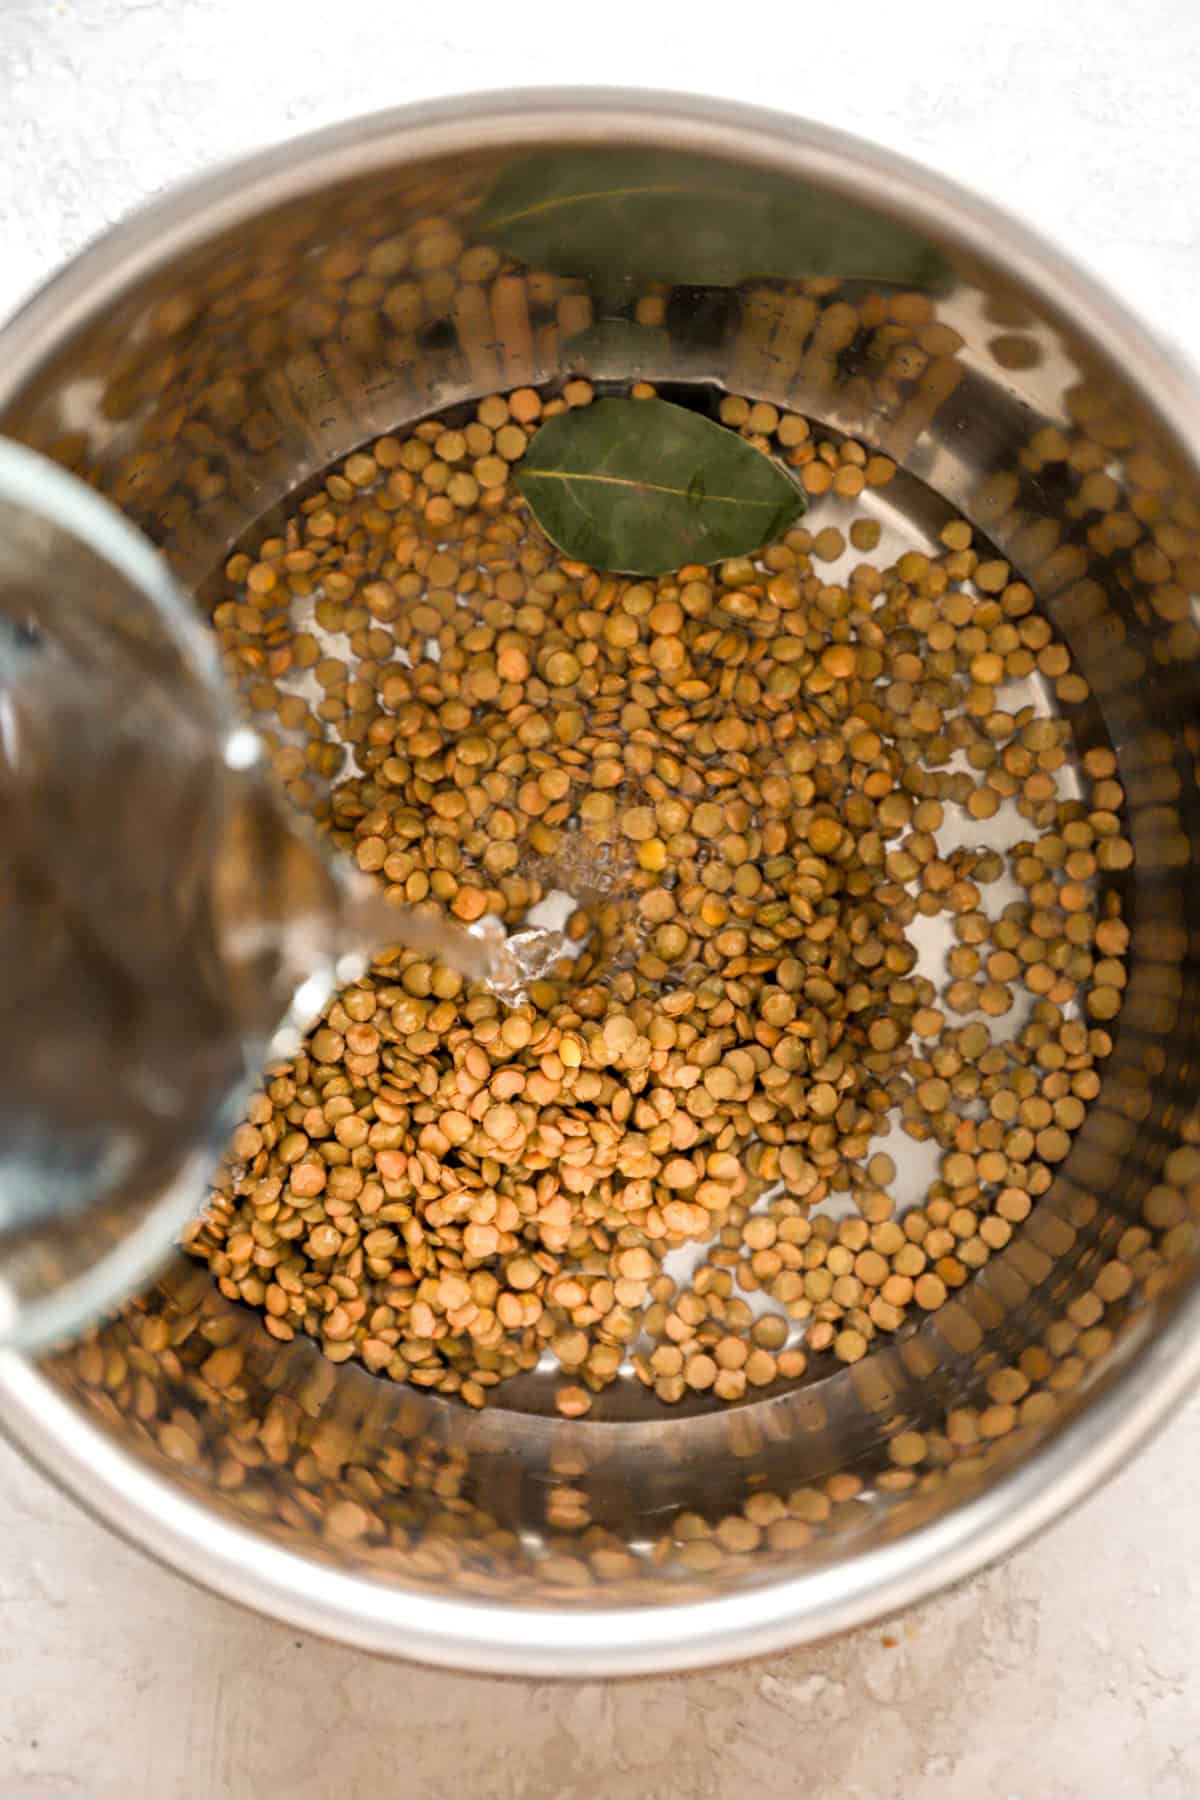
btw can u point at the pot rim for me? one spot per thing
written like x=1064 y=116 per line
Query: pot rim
x=522 y=1640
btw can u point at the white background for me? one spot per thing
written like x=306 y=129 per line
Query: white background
x=1071 y=1673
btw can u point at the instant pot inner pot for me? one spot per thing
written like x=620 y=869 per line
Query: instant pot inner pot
x=202 y=391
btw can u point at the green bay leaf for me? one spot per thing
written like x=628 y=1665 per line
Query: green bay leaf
x=622 y=215
x=640 y=487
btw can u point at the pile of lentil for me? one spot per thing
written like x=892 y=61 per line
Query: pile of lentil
x=753 y=782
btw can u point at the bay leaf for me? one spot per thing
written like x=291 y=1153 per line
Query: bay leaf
x=648 y=215
x=639 y=487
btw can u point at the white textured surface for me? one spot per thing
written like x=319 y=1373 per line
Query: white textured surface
x=1068 y=1673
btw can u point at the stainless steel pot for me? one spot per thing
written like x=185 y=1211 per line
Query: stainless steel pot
x=209 y=355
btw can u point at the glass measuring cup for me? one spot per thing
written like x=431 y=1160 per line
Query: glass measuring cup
x=163 y=926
